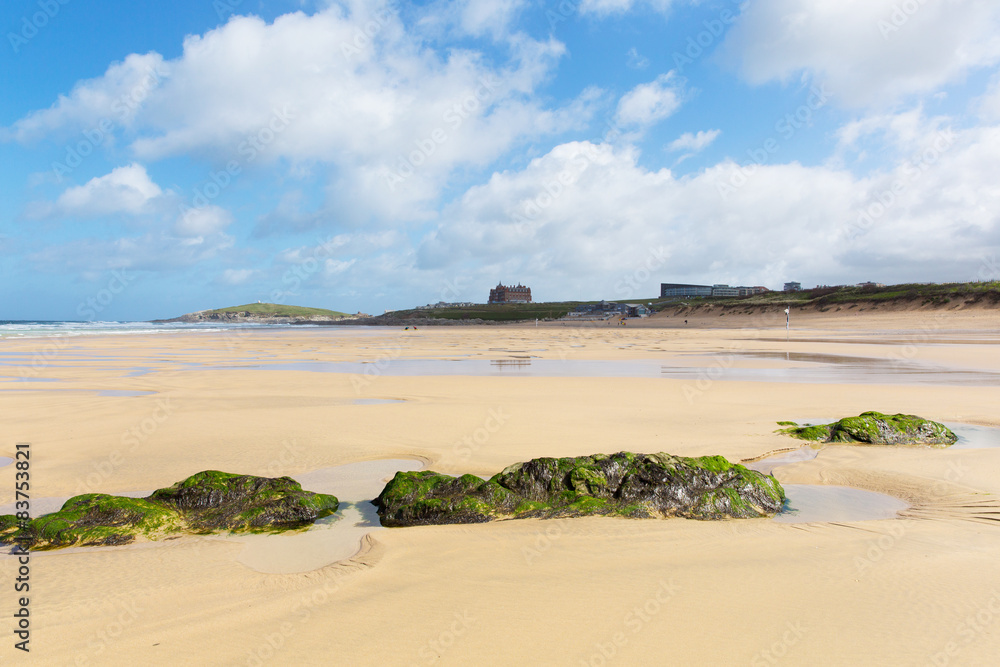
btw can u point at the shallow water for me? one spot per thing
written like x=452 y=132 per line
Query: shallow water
x=970 y=436
x=809 y=503
x=973 y=436
x=327 y=541
x=796 y=368
x=768 y=465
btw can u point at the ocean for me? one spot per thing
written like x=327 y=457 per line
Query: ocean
x=45 y=329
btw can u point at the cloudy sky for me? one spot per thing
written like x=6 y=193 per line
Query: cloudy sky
x=367 y=155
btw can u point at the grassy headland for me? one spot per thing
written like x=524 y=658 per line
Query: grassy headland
x=259 y=312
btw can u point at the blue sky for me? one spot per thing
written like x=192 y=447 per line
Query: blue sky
x=156 y=160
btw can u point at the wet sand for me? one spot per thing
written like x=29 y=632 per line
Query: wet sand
x=920 y=589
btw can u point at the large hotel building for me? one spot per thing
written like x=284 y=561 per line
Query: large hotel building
x=512 y=294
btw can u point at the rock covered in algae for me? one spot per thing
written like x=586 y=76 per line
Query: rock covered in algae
x=205 y=502
x=875 y=428
x=622 y=484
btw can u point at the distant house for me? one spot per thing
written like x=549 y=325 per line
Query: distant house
x=510 y=294
x=870 y=285
x=793 y=287
x=636 y=310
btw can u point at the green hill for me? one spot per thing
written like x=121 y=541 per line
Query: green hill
x=261 y=312
x=278 y=310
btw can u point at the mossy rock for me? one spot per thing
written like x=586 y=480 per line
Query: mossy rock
x=206 y=502
x=623 y=484
x=876 y=428
x=214 y=500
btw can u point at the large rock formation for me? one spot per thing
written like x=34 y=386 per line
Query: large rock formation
x=623 y=484
x=875 y=428
x=205 y=502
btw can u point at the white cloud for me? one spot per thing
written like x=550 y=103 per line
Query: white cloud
x=203 y=221
x=319 y=88
x=636 y=60
x=96 y=105
x=694 y=142
x=583 y=219
x=988 y=106
x=125 y=190
x=649 y=103
x=153 y=251
x=607 y=7
x=474 y=18
x=238 y=276
x=870 y=52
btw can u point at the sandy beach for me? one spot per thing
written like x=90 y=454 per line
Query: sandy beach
x=116 y=414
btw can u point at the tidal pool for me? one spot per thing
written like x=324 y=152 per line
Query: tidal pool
x=812 y=503
x=332 y=538
x=786 y=367
x=329 y=540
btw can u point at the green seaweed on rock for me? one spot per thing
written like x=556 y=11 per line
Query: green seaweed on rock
x=206 y=502
x=876 y=428
x=622 y=484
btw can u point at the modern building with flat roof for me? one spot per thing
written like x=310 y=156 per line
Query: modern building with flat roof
x=681 y=290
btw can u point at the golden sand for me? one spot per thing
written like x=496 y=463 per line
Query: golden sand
x=921 y=589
